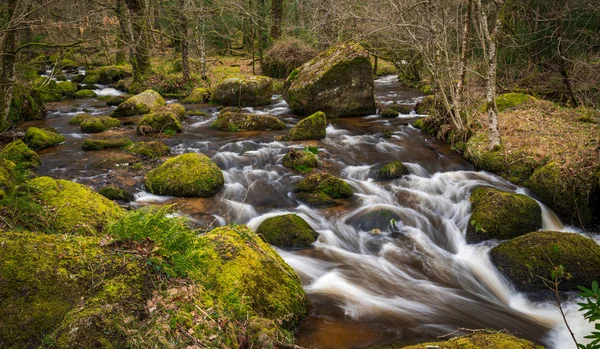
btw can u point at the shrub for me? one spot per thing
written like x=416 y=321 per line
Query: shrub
x=286 y=55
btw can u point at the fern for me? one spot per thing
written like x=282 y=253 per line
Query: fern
x=591 y=309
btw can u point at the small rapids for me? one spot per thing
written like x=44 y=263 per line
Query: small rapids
x=414 y=280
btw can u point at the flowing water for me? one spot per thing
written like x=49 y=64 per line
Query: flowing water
x=412 y=278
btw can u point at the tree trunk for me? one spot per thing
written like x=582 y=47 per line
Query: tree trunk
x=7 y=64
x=185 y=66
x=122 y=36
x=139 y=40
x=463 y=56
x=276 y=18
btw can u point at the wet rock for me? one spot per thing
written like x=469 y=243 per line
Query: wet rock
x=91 y=79
x=187 y=175
x=37 y=138
x=78 y=79
x=113 y=101
x=245 y=91
x=78 y=119
x=105 y=143
x=231 y=121
x=338 y=82
x=390 y=171
x=95 y=124
x=388 y=113
x=113 y=73
x=488 y=340
x=387 y=134
x=401 y=108
x=322 y=189
x=139 y=104
x=199 y=95
x=379 y=219
x=85 y=94
x=288 y=231
x=114 y=193
x=527 y=260
x=501 y=215
x=20 y=154
x=300 y=160
x=163 y=119
x=150 y=150
x=312 y=127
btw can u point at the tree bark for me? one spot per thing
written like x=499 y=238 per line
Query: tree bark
x=276 y=18
x=7 y=64
x=463 y=56
x=122 y=36
x=185 y=66
x=139 y=40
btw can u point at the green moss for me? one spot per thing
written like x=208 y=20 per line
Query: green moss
x=114 y=193
x=46 y=90
x=67 y=88
x=300 y=159
x=242 y=90
x=66 y=63
x=187 y=175
x=78 y=119
x=392 y=170
x=232 y=121
x=113 y=73
x=37 y=138
x=528 y=259
x=91 y=79
x=150 y=150
x=198 y=95
x=481 y=341
x=116 y=100
x=78 y=79
x=139 y=104
x=322 y=189
x=511 y=100
x=312 y=127
x=20 y=154
x=95 y=124
x=163 y=119
x=85 y=94
x=388 y=113
x=426 y=106
x=288 y=230
x=106 y=143
x=501 y=215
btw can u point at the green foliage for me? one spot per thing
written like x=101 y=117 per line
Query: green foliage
x=591 y=309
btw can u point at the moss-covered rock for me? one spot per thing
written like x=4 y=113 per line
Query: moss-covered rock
x=338 y=82
x=198 y=95
x=322 y=189
x=245 y=91
x=163 y=119
x=374 y=219
x=150 y=150
x=247 y=273
x=480 y=341
x=510 y=100
x=312 y=127
x=20 y=154
x=288 y=230
x=114 y=193
x=6 y=175
x=391 y=170
x=105 y=143
x=139 y=104
x=501 y=215
x=426 y=106
x=37 y=138
x=78 y=79
x=527 y=260
x=187 y=175
x=67 y=88
x=95 y=124
x=230 y=121
x=113 y=73
x=85 y=94
x=388 y=113
x=47 y=90
x=114 y=101
x=91 y=79
x=68 y=64
x=69 y=207
x=401 y=108
x=78 y=119
x=53 y=294
x=300 y=160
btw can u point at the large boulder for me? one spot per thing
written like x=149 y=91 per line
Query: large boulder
x=338 y=82
x=187 y=175
x=287 y=230
x=163 y=119
x=232 y=121
x=37 y=138
x=483 y=340
x=244 y=91
x=20 y=154
x=501 y=215
x=312 y=127
x=96 y=124
x=321 y=189
x=529 y=259
x=139 y=104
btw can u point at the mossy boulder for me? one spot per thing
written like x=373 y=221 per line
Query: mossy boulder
x=114 y=193
x=20 y=154
x=312 y=127
x=91 y=79
x=113 y=73
x=150 y=150
x=390 y=171
x=95 y=124
x=67 y=88
x=187 y=175
x=231 y=121
x=401 y=108
x=78 y=119
x=388 y=113
x=501 y=215
x=288 y=230
x=114 y=101
x=300 y=160
x=68 y=64
x=78 y=79
x=480 y=341
x=198 y=95
x=139 y=104
x=320 y=189
x=105 y=143
x=46 y=90
x=426 y=106
x=53 y=296
x=527 y=260
x=374 y=219
x=245 y=91
x=245 y=271
x=85 y=94
x=163 y=119
x=38 y=138
x=338 y=82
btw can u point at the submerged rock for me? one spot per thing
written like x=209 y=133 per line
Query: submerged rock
x=288 y=230
x=390 y=170
x=378 y=219
x=114 y=193
x=95 y=124
x=312 y=127
x=38 y=138
x=231 y=121
x=480 y=341
x=105 y=143
x=319 y=189
x=245 y=91
x=338 y=82
x=150 y=150
x=300 y=160
x=163 y=119
x=529 y=259
x=20 y=154
x=187 y=175
x=139 y=104
x=198 y=95
x=501 y=215
x=388 y=113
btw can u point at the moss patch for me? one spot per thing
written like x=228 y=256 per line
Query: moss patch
x=322 y=189
x=388 y=113
x=391 y=170
x=20 y=154
x=243 y=91
x=511 y=100
x=288 y=230
x=198 y=95
x=231 y=121
x=187 y=175
x=37 y=138
x=150 y=150
x=114 y=193
x=105 y=143
x=85 y=94
x=312 y=127
x=163 y=119
x=78 y=119
x=67 y=88
x=481 y=341
x=139 y=104
x=95 y=124
x=426 y=106
x=300 y=160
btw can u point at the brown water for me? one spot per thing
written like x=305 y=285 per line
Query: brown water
x=416 y=280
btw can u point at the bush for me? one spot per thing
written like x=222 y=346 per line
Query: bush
x=286 y=55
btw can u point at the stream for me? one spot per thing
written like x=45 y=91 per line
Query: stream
x=412 y=281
